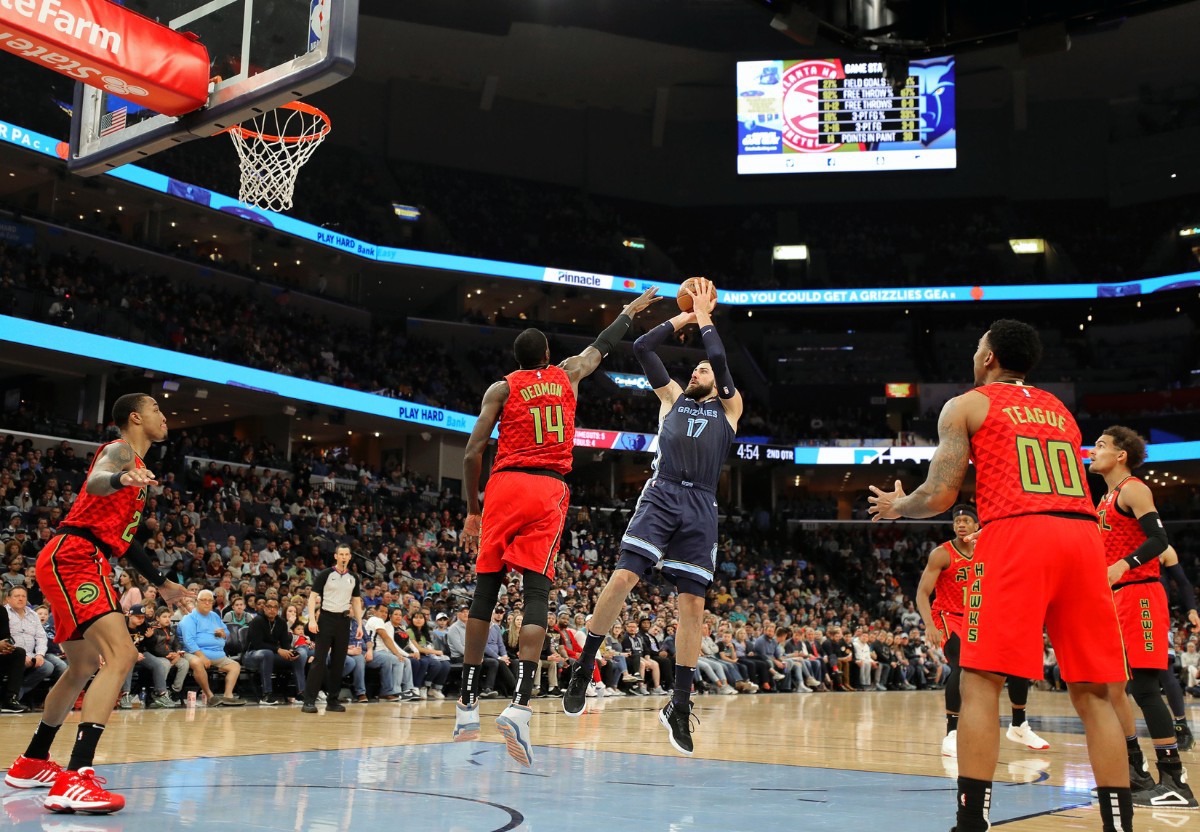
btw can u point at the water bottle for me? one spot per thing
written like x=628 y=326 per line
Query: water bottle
x=191 y=699
x=203 y=703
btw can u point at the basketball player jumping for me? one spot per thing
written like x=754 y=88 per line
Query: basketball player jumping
x=1134 y=540
x=675 y=523
x=1039 y=552
x=948 y=574
x=73 y=571
x=527 y=501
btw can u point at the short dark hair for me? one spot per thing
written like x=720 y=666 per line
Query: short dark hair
x=126 y=405
x=530 y=348
x=1017 y=345
x=1131 y=442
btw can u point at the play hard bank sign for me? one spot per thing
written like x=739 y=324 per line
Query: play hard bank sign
x=109 y=47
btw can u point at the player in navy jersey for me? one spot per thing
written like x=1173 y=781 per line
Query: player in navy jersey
x=675 y=523
x=73 y=571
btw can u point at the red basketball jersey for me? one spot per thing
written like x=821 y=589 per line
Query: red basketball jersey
x=114 y=518
x=1122 y=534
x=1027 y=456
x=537 y=425
x=951 y=587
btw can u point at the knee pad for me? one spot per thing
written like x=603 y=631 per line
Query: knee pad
x=487 y=590
x=1145 y=691
x=537 y=598
x=1018 y=691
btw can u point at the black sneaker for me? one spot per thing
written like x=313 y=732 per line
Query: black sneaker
x=1139 y=778
x=1171 y=793
x=576 y=695
x=334 y=706
x=1183 y=735
x=309 y=708
x=12 y=706
x=269 y=699
x=677 y=719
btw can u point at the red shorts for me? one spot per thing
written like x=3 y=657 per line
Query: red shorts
x=74 y=577
x=1142 y=611
x=1037 y=571
x=949 y=623
x=523 y=519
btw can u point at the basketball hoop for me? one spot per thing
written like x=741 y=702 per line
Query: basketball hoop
x=271 y=153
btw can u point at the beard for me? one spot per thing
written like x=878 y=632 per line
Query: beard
x=698 y=391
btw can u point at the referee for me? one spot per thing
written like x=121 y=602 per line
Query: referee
x=340 y=596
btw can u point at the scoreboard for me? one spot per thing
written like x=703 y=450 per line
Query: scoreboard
x=834 y=115
x=753 y=452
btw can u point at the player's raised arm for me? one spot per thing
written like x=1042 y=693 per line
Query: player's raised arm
x=579 y=367
x=114 y=470
x=664 y=387
x=703 y=303
x=489 y=415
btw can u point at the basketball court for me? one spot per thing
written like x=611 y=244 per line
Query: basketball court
x=831 y=761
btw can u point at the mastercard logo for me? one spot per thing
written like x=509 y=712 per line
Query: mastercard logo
x=629 y=284
x=87 y=593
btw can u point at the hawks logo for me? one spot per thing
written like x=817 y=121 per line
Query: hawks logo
x=801 y=104
x=87 y=593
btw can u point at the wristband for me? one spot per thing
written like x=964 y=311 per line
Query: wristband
x=115 y=480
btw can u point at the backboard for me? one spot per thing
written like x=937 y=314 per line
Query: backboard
x=263 y=53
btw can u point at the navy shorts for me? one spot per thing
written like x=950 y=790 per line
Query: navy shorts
x=674 y=527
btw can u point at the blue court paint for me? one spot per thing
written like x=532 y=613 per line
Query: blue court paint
x=474 y=787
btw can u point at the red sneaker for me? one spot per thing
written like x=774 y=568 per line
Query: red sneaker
x=80 y=791
x=27 y=773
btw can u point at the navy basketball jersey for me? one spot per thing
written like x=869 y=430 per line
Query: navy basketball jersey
x=693 y=443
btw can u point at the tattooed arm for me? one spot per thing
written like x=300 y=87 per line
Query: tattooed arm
x=946 y=470
x=114 y=470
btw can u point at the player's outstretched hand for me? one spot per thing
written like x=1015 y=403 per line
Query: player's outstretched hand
x=705 y=299
x=138 y=477
x=934 y=637
x=882 y=505
x=472 y=528
x=174 y=593
x=645 y=301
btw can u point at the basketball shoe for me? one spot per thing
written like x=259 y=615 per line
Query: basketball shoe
x=677 y=719
x=1171 y=793
x=466 y=722
x=1183 y=735
x=1139 y=778
x=513 y=723
x=82 y=791
x=575 y=697
x=1024 y=735
x=950 y=744
x=27 y=773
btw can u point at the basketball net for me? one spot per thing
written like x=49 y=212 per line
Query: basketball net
x=272 y=151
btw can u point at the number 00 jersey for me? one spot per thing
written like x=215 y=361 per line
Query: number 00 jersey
x=537 y=424
x=114 y=518
x=1026 y=456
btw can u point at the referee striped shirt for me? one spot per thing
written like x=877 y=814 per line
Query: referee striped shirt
x=336 y=589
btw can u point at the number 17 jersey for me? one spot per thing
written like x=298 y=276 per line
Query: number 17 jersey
x=1027 y=456
x=537 y=424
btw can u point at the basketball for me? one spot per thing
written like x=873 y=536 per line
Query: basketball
x=683 y=298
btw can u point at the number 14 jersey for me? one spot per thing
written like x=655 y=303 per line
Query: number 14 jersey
x=1027 y=456
x=537 y=424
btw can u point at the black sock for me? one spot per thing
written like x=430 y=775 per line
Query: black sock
x=472 y=680
x=683 y=684
x=85 y=745
x=43 y=738
x=587 y=659
x=1116 y=809
x=1181 y=724
x=1168 y=759
x=1135 y=752
x=951 y=722
x=527 y=673
x=1018 y=717
x=974 y=804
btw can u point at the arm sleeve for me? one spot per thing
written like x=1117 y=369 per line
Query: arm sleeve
x=652 y=365
x=142 y=563
x=1186 y=590
x=1155 y=543
x=720 y=365
x=609 y=338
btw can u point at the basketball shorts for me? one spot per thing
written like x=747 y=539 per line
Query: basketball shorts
x=1145 y=622
x=674 y=527
x=74 y=578
x=949 y=623
x=523 y=519
x=1041 y=571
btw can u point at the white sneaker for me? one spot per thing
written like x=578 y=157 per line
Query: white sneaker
x=466 y=723
x=513 y=723
x=591 y=691
x=950 y=744
x=612 y=692
x=321 y=697
x=434 y=693
x=1024 y=735
x=727 y=690
x=422 y=693
x=598 y=687
x=803 y=689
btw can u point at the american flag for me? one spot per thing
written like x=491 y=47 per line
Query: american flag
x=112 y=122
